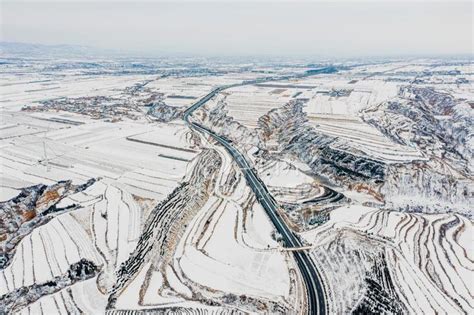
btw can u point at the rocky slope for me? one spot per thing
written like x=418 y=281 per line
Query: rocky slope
x=164 y=113
x=33 y=207
x=167 y=221
x=441 y=128
x=326 y=155
x=443 y=182
x=217 y=119
x=22 y=297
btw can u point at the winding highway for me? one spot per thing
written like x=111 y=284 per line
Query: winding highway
x=309 y=272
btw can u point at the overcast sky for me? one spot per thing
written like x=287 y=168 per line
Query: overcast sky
x=351 y=28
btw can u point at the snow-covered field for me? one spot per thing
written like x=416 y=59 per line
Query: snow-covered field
x=161 y=218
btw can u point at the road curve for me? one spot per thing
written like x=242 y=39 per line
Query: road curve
x=314 y=289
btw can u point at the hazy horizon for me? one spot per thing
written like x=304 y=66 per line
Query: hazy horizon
x=337 y=29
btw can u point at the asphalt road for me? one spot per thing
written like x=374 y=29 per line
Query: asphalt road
x=309 y=272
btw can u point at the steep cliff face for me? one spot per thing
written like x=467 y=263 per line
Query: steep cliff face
x=164 y=113
x=218 y=120
x=431 y=121
x=427 y=187
x=326 y=155
x=439 y=184
x=441 y=128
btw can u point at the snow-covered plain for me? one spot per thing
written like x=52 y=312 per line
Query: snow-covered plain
x=221 y=253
